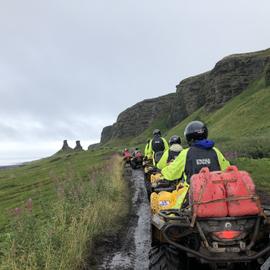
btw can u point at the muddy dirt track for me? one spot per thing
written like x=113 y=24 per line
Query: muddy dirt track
x=130 y=249
x=133 y=246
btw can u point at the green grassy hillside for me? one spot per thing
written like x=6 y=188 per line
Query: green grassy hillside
x=75 y=198
x=242 y=125
x=241 y=129
x=39 y=179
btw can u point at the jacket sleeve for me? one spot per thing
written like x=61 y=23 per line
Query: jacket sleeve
x=146 y=149
x=150 y=150
x=176 y=169
x=165 y=144
x=163 y=161
x=223 y=162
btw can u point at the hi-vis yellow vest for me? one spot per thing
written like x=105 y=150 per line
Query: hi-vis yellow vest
x=176 y=170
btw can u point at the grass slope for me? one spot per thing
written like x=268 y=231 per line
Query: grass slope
x=38 y=180
x=241 y=125
x=76 y=197
x=242 y=130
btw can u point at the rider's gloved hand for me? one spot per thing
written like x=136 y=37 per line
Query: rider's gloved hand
x=163 y=183
x=154 y=185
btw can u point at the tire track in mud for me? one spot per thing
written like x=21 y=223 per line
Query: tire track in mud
x=135 y=242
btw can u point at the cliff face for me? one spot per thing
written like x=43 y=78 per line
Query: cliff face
x=137 y=118
x=210 y=90
x=213 y=89
x=106 y=134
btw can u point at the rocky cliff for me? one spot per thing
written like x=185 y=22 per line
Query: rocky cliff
x=137 y=118
x=213 y=89
x=210 y=90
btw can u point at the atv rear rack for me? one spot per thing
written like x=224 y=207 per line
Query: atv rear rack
x=172 y=216
x=219 y=259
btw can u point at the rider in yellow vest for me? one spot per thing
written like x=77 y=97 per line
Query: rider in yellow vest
x=172 y=153
x=147 y=153
x=157 y=146
x=201 y=153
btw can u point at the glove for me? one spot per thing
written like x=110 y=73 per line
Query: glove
x=154 y=185
x=161 y=183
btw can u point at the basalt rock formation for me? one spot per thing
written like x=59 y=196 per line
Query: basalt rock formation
x=78 y=146
x=137 y=118
x=213 y=89
x=65 y=147
x=210 y=90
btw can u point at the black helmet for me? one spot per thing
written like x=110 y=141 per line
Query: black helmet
x=175 y=140
x=195 y=130
x=157 y=132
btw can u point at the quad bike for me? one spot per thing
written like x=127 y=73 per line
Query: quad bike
x=136 y=161
x=151 y=176
x=149 y=169
x=127 y=160
x=184 y=240
x=166 y=196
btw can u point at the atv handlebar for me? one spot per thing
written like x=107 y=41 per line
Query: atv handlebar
x=159 y=189
x=153 y=170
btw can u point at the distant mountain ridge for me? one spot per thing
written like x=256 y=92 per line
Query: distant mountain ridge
x=211 y=90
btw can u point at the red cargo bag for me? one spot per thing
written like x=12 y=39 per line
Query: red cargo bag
x=208 y=194
x=241 y=193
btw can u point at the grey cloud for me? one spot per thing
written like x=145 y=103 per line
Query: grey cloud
x=72 y=66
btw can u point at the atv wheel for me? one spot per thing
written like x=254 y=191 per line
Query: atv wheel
x=165 y=257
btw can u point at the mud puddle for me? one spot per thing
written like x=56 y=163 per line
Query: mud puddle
x=132 y=253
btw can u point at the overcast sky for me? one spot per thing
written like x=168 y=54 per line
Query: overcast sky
x=68 y=68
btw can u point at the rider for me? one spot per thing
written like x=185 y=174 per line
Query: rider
x=126 y=155
x=137 y=153
x=157 y=146
x=201 y=153
x=172 y=153
x=126 y=152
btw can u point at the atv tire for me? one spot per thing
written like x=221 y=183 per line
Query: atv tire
x=165 y=257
